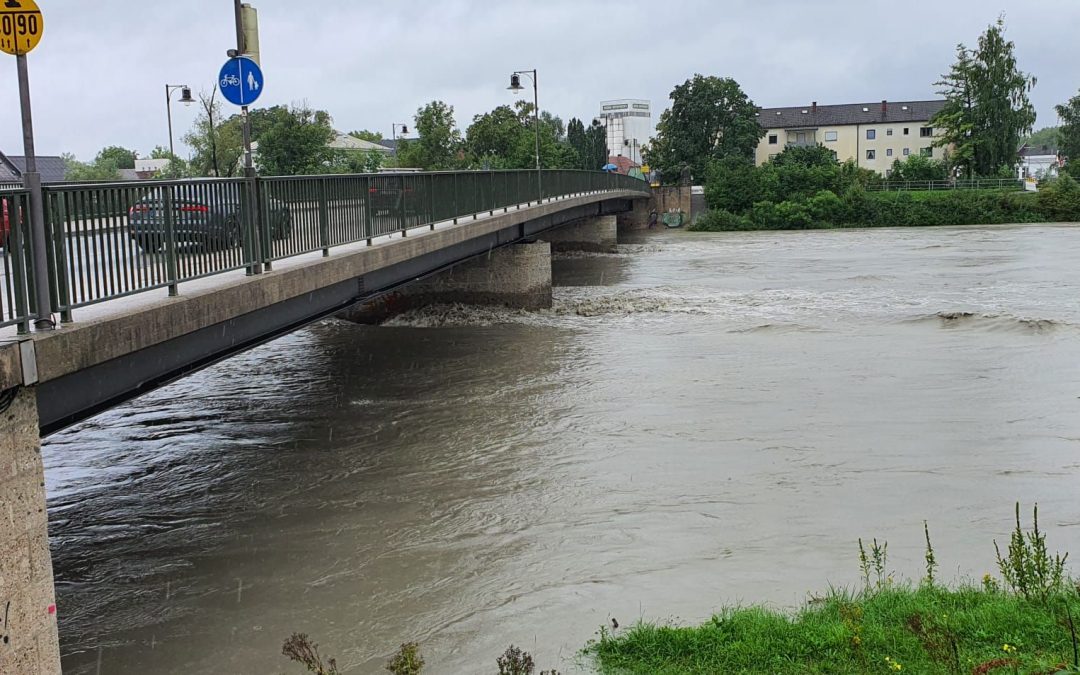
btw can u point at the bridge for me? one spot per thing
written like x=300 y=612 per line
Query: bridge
x=153 y=280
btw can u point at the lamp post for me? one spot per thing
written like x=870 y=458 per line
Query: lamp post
x=515 y=86
x=393 y=134
x=185 y=98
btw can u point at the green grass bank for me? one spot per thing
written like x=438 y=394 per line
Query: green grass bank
x=1023 y=621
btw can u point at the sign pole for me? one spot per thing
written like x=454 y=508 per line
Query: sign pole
x=249 y=169
x=32 y=182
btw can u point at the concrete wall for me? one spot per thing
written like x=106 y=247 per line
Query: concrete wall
x=28 y=631
x=663 y=200
x=599 y=234
x=516 y=276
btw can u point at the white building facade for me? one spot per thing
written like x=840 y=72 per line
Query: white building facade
x=629 y=126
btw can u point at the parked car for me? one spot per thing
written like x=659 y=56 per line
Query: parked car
x=389 y=196
x=213 y=223
x=5 y=222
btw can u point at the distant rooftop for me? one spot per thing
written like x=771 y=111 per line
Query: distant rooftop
x=881 y=112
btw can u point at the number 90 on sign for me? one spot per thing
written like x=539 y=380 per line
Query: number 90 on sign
x=21 y=25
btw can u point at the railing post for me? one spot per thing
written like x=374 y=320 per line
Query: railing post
x=171 y=264
x=431 y=199
x=18 y=207
x=263 y=219
x=401 y=208
x=456 y=211
x=369 y=212
x=58 y=258
x=324 y=219
x=491 y=181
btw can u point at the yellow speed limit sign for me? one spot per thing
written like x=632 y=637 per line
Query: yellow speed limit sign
x=21 y=26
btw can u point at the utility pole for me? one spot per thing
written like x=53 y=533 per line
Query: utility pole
x=249 y=167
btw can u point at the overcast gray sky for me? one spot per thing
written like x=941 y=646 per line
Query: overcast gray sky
x=98 y=76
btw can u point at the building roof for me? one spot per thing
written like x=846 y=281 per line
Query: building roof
x=346 y=142
x=1038 y=151
x=52 y=169
x=882 y=112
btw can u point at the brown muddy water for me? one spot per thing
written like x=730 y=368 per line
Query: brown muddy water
x=701 y=420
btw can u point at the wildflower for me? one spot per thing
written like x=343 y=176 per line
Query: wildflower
x=893 y=665
x=1008 y=648
x=856 y=640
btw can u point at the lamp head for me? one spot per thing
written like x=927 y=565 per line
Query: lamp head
x=185 y=95
x=515 y=83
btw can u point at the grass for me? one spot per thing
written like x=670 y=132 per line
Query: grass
x=1023 y=623
x=924 y=629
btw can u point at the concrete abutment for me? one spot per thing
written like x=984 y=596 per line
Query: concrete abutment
x=517 y=276
x=599 y=234
x=29 y=644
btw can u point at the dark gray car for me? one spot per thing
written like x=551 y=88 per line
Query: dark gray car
x=210 y=222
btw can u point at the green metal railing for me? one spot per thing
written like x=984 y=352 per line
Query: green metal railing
x=961 y=184
x=16 y=295
x=110 y=240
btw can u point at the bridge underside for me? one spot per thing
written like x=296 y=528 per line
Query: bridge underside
x=90 y=367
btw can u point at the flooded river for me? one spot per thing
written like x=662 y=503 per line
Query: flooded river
x=701 y=420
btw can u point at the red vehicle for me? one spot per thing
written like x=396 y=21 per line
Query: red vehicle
x=5 y=222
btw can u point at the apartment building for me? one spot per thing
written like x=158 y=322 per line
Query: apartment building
x=873 y=134
x=629 y=125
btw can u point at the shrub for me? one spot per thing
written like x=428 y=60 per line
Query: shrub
x=718 y=220
x=794 y=215
x=732 y=185
x=1059 y=200
x=826 y=208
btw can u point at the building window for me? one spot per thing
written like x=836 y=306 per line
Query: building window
x=926 y=152
x=871 y=154
x=907 y=151
x=888 y=132
x=830 y=136
x=773 y=139
x=926 y=132
x=906 y=131
x=888 y=153
x=871 y=134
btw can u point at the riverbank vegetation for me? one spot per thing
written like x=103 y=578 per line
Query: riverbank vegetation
x=1022 y=621
x=806 y=188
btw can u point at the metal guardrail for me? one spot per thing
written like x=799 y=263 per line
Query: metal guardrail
x=110 y=240
x=962 y=184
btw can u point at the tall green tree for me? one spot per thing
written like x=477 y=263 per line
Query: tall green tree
x=439 y=139
x=709 y=118
x=121 y=157
x=493 y=138
x=589 y=144
x=216 y=144
x=987 y=111
x=1047 y=136
x=1069 y=135
x=294 y=142
x=365 y=135
x=102 y=168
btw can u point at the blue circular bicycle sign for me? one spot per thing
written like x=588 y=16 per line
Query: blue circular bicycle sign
x=241 y=81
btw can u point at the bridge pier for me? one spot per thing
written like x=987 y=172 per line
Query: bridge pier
x=517 y=276
x=28 y=632
x=597 y=234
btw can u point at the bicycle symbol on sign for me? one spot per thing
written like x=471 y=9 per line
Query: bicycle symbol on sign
x=230 y=81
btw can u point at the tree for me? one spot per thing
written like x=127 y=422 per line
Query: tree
x=1047 y=136
x=294 y=142
x=439 y=139
x=102 y=168
x=176 y=168
x=216 y=146
x=709 y=118
x=917 y=167
x=365 y=135
x=987 y=110
x=589 y=145
x=356 y=161
x=122 y=158
x=1070 y=133
x=493 y=138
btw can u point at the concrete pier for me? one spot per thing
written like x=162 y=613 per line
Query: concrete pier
x=599 y=234
x=29 y=644
x=517 y=276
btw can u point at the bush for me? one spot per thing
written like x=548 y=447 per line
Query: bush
x=732 y=185
x=718 y=220
x=826 y=208
x=917 y=167
x=1059 y=200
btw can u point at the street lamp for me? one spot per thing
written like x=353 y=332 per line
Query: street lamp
x=185 y=98
x=393 y=134
x=515 y=86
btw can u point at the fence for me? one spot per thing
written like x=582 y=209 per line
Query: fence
x=110 y=240
x=961 y=184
